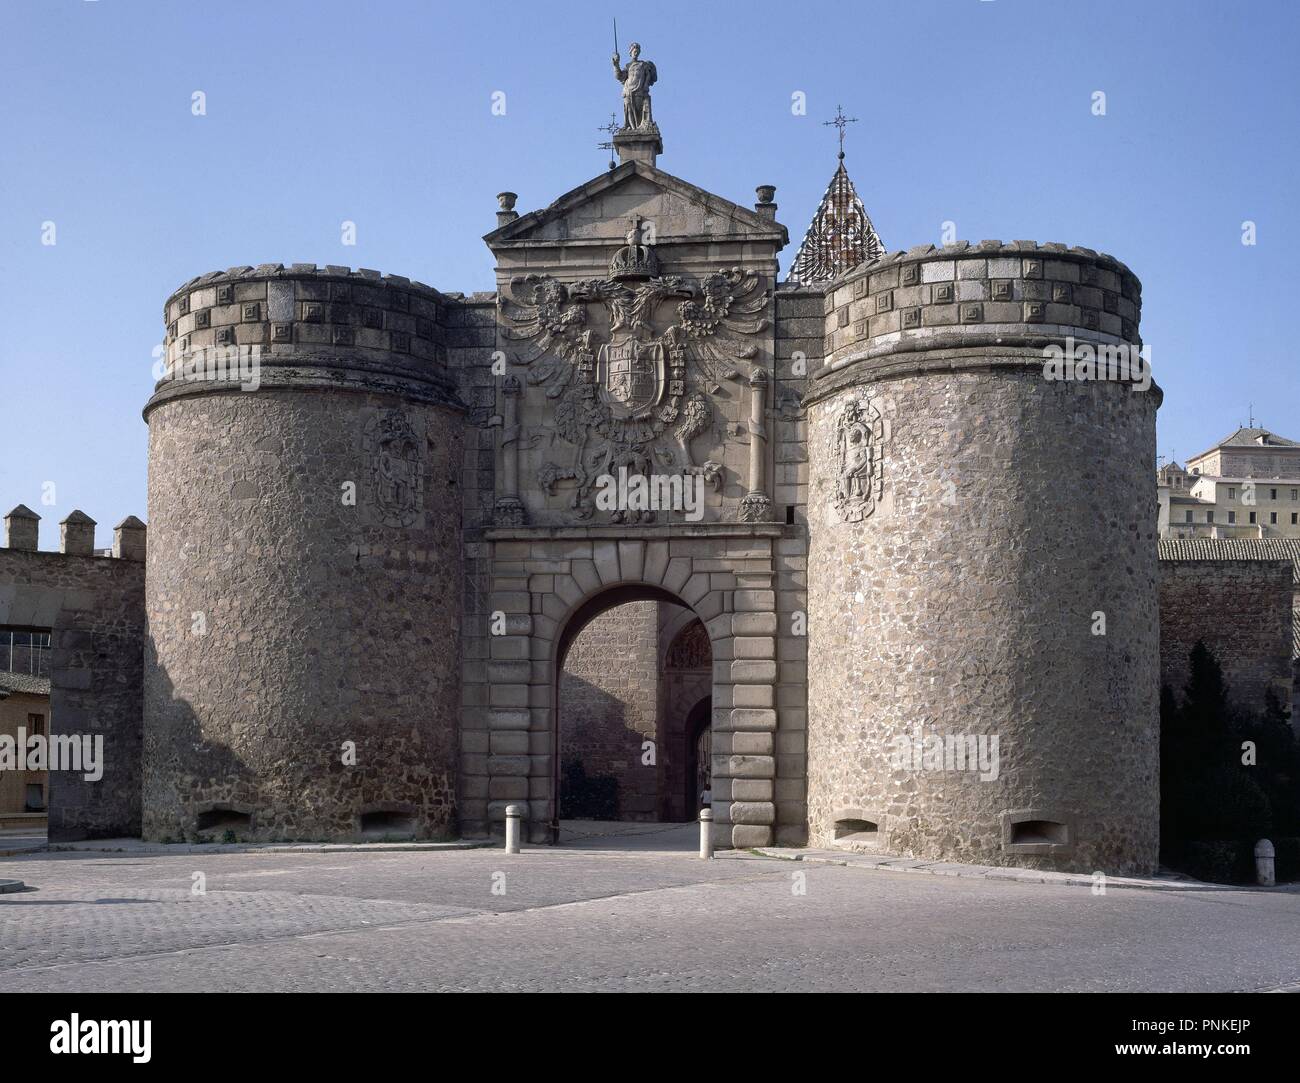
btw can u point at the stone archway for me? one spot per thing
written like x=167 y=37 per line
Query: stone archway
x=613 y=751
x=594 y=605
x=545 y=584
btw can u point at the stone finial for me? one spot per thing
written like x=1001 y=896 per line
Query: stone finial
x=22 y=526
x=765 y=208
x=129 y=539
x=77 y=535
x=507 y=212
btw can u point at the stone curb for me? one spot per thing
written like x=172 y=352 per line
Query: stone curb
x=8 y=886
x=890 y=863
x=135 y=846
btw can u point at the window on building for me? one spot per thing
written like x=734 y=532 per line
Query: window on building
x=1272 y=494
x=1232 y=492
x=1252 y=516
x=1209 y=516
x=1294 y=518
x=35 y=724
x=35 y=798
x=1232 y=516
x=1295 y=494
x=1272 y=518
x=25 y=650
x=1189 y=517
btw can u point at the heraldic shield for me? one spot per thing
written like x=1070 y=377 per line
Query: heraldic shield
x=631 y=375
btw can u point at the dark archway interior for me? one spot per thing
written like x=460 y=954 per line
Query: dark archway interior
x=633 y=688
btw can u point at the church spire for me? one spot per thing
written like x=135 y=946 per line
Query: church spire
x=840 y=236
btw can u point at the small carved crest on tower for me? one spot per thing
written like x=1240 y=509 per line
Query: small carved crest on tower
x=860 y=435
x=396 y=460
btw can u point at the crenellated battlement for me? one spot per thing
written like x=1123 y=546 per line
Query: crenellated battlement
x=76 y=535
x=304 y=325
x=991 y=294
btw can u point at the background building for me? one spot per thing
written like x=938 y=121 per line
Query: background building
x=24 y=712
x=1245 y=486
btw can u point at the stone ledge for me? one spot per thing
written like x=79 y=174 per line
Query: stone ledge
x=1012 y=355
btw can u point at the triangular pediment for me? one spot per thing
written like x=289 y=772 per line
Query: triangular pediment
x=600 y=211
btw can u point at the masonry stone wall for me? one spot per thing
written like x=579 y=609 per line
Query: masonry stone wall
x=968 y=521
x=303 y=576
x=1248 y=550
x=1242 y=611
x=94 y=607
x=799 y=346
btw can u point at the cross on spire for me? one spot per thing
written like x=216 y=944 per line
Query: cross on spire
x=841 y=122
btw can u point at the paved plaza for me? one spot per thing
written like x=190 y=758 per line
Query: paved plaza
x=633 y=911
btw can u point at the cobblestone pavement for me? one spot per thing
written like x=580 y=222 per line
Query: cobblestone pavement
x=614 y=913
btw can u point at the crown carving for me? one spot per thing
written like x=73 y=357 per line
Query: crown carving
x=634 y=259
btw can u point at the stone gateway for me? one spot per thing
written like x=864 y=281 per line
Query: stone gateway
x=363 y=578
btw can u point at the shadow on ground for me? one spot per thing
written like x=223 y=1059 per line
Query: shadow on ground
x=629 y=837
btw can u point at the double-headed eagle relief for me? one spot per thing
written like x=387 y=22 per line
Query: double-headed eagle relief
x=625 y=391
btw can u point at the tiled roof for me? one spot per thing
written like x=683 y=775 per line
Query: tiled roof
x=1233 y=549
x=1250 y=438
x=22 y=682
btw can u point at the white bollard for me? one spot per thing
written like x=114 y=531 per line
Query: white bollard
x=1265 y=865
x=514 y=814
x=706 y=833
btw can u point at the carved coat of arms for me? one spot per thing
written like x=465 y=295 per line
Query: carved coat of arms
x=631 y=376
x=623 y=388
x=396 y=468
x=859 y=437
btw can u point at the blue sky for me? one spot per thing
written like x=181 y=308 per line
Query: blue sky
x=977 y=112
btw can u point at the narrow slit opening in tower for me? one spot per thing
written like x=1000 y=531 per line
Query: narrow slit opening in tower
x=857 y=831
x=1039 y=832
x=224 y=819
x=381 y=823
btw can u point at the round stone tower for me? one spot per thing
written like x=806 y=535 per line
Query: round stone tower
x=982 y=568
x=303 y=578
